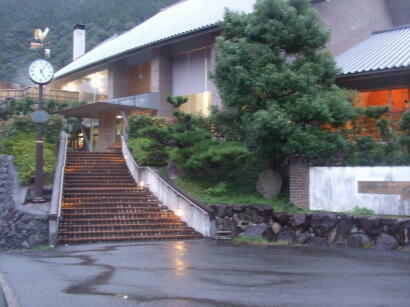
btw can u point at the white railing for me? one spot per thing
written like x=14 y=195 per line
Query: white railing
x=56 y=197
x=196 y=216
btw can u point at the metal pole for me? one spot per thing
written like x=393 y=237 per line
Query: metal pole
x=39 y=179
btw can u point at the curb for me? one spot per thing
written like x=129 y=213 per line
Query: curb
x=7 y=294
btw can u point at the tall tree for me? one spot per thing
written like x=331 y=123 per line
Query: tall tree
x=278 y=82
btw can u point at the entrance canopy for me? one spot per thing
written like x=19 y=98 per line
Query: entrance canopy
x=94 y=110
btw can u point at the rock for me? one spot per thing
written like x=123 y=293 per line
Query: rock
x=269 y=183
x=299 y=221
x=261 y=213
x=386 y=242
x=276 y=228
x=372 y=226
x=281 y=218
x=239 y=208
x=286 y=234
x=303 y=237
x=223 y=210
x=270 y=235
x=317 y=241
x=358 y=240
x=341 y=231
x=255 y=231
x=323 y=223
x=263 y=210
x=174 y=171
x=401 y=231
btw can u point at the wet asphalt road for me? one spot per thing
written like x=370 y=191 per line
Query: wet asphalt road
x=206 y=273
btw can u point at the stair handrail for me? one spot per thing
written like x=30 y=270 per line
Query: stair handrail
x=57 y=194
x=136 y=171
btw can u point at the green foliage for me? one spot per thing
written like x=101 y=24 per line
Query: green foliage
x=177 y=101
x=103 y=18
x=23 y=147
x=277 y=82
x=148 y=152
x=219 y=190
x=136 y=124
x=360 y=211
x=23 y=124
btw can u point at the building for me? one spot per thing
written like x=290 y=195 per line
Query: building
x=172 y=53
x=379 y=67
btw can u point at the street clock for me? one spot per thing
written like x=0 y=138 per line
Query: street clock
x=41 y=71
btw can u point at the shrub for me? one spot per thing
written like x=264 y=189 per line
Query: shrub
x=360 y=211
x=148 y=152
x=23 y=148
x=218 y=190
x=136 y=123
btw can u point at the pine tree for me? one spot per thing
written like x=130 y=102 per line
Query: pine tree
x=277 y=82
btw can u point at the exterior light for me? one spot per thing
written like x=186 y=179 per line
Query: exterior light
x=179 y=212
x=141 y=184
x=96 y=81
x=118 y=116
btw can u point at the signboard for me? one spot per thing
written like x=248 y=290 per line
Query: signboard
x=386 y=187
x=39 y=116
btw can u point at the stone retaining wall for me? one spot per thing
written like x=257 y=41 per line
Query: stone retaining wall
x=259 y=221
x=18 y=228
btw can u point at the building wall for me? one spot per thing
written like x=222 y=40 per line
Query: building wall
x=161 y=79
x=351 y=21
x=107 y=131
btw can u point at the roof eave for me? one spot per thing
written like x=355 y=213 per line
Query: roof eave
x=158 y=43
x=374 y=72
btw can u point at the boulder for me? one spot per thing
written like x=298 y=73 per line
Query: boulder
x=239 y=208
x=401 y=231
x=174 y=171
x=358 y=240
x=281 y=218
x=255 y=231
x=303 y=237
x=269 y=183
x=341 y=231
x=371 y=225
x=386 y=242
x=276 y=228
x=299 y=221
x=323 y=223
x=261 y=212
x=286 y=234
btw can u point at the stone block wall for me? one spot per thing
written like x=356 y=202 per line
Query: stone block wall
x=299 y=183
x=259 y=221
x=18 y=228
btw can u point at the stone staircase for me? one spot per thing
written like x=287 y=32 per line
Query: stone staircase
x=102 y=202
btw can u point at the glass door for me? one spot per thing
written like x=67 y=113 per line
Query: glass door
x=95 y=135
x=119 y=128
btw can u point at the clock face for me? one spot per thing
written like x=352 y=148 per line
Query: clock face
x=41 y=71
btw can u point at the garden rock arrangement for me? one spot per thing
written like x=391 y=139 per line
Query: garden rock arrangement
x=258 y=221
x=18 y=228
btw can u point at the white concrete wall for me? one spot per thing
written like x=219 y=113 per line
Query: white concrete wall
x=336 y=189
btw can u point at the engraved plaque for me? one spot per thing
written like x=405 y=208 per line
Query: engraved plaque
x=385 y=187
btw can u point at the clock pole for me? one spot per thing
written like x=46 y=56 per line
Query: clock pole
x=39 y=179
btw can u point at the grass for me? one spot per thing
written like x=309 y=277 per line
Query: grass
x=44 y=247
x=235 y=196
x=250 y=240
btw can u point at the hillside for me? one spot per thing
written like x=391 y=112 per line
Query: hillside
x=103 y=18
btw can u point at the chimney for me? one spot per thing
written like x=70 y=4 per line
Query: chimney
x=78 y=41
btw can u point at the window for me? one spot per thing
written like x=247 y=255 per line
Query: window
x=190 y=72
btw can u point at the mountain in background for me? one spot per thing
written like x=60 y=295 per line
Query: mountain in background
x=103 y=18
